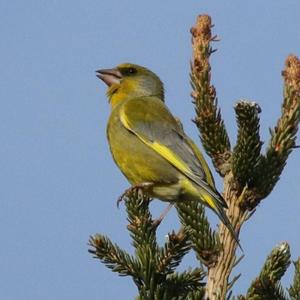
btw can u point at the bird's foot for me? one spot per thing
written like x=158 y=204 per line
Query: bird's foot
x=157 y=221
x=135 y=188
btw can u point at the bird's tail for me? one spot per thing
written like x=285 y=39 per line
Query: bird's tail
x=219 y=210
x=218 y=205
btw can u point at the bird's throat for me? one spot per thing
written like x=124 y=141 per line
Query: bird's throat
x=116 y=98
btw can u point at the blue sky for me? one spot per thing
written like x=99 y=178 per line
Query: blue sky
x=58 y=182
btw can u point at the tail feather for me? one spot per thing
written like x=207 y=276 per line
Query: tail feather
x=219 y=210
x=221 y=200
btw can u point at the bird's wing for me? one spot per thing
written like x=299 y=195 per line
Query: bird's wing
x=209 y=177
x=150 y=120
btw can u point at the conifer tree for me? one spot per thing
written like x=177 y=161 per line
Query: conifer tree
x=249 y=177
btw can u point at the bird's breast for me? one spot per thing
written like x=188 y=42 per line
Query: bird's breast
x=137 y=161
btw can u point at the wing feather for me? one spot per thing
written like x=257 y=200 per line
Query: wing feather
x=150 y=120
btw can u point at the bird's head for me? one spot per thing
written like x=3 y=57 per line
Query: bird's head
x=130 y=81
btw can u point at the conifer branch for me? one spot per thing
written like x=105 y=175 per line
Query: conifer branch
x=187 y=286
x=208 y=119
x=153 y=267
x=186 y=281
x=264 y=290
x=112 y=256
x=195 y=295
x=246 y=154
x=205 y=240
x=267 y=284
x=283 y=136
x=143 y=234
x=171 y=254
x=294 y=289
x=141 y=226
x=277 y=262
x=256 y=174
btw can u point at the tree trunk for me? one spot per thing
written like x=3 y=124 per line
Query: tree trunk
x=218 y=274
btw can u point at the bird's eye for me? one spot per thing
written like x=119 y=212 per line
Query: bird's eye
x=131 y=70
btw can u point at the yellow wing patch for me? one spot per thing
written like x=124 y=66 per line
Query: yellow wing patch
x=169 y=156
x=164 y=151
x=124 y=119
x=188 y=186
x=209 y=200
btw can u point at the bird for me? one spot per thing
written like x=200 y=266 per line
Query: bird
x=149 y=145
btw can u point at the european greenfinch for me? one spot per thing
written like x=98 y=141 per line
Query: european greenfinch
x=149 y=145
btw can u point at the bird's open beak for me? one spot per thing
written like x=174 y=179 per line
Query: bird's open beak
x=109 y=76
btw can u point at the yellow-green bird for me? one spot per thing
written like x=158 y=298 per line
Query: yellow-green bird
x=149 y=145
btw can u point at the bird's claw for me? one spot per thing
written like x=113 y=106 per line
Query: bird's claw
x=134 y=188
x=121 y=198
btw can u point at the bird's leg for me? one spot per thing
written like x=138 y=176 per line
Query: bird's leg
x=157 y=221
x=136 y=187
